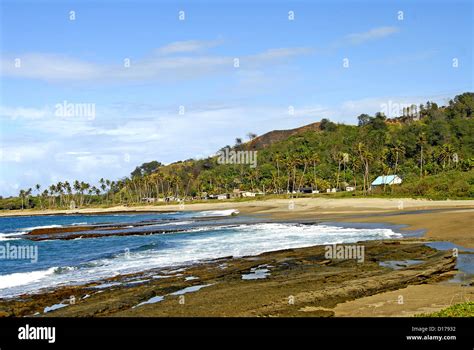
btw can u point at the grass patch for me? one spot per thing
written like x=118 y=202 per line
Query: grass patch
x=458 y=310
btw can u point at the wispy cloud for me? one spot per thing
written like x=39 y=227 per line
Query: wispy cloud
x=188 y=46
x=180 y=60
x=51 y=67
x=22 y=112
x=372 y=34
x=160 y=66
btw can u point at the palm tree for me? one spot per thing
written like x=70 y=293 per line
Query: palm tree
x=84 y=187
x=355 y=167
x=68 y=190
x=365 y=157
x=103 y=186
x=385 y=166
x=421 y=142
x=77 y=188
x=305 y=159
x=238 y=142
x=59 y=189
x=52 y=193
x=28 y=194
x=288 y=161
x=22 y=196
x=251 y=136
x=37 y=188
x=108 y=185
x=314 y=159
x=277 y=159
x=190 y=179
x=44 y=195
x=447 y=152
x=398 y=149
x=341 y=158
x=345 y=160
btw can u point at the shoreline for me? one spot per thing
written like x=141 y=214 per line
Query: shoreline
x=329 y=204
x=452 y=221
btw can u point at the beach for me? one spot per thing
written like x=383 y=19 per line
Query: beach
x=298 y=281
x=451 y=220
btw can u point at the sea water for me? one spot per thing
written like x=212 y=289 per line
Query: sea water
x=79 y=261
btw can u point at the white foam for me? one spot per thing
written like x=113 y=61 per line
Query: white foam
x=177 y=223
x=39 y=227
x=22 y=278
x=11 y=236
x=237 y=241
x=225 y=212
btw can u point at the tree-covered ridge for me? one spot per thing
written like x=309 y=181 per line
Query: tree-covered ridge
x=431 y=147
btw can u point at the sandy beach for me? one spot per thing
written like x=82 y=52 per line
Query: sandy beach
x=451 y=220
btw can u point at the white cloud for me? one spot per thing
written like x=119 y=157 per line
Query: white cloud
x=46 y=66
x=274 y=54
x=156 y=67
x=23 y=153
x=23 y=113
x=187 y=46
x=372 y=34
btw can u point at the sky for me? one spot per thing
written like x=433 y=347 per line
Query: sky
x=91 y=89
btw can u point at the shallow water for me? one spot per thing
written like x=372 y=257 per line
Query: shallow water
x=54 y=307
x=190 y=289
x=153 y=300
x=256 y=273
x=399 y=264
x=464 y=261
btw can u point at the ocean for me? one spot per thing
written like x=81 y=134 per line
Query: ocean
x=193 y=237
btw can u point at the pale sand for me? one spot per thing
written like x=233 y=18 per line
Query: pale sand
x=446 y=223
x=416 y=299
x=320 y=205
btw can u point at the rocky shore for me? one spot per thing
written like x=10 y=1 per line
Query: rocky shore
x=294 y=282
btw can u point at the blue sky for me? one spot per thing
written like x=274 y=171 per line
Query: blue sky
x=190 y=63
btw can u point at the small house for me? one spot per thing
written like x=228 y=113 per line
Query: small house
x=386 y=180
x=248 y=194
